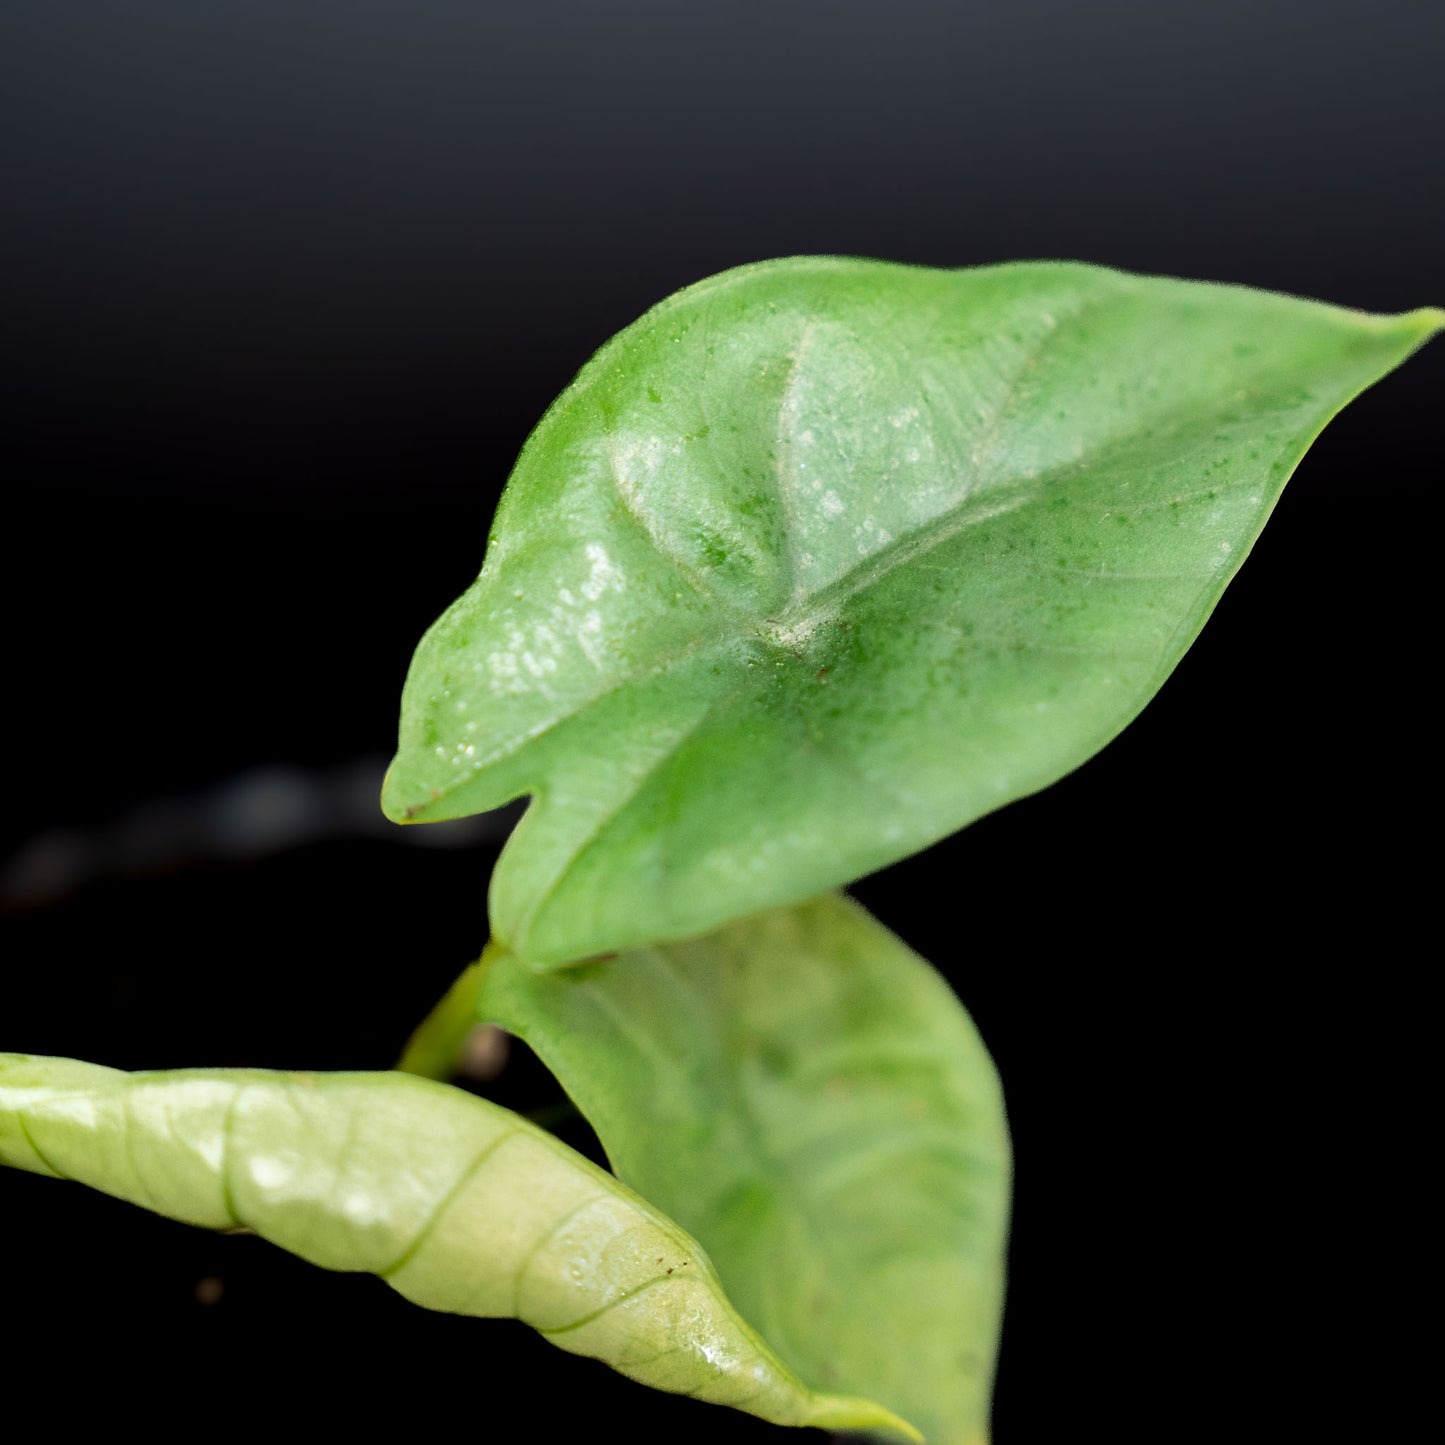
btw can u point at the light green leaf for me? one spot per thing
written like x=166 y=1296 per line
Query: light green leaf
x=456 y=1203
x=807 y=1097
x=822 y=559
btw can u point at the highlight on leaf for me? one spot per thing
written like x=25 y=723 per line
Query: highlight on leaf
x=822 y=559
x=458 y=1204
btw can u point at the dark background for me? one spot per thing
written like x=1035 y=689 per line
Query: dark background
x=283 y=287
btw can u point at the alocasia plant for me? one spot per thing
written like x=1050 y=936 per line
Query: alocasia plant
x=816 y=563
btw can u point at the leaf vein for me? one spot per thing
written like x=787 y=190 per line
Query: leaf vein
x=443 y=1203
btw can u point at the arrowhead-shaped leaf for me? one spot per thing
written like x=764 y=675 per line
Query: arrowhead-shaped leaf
x=806 y=1096
x=458 y=1204
x=822 y=559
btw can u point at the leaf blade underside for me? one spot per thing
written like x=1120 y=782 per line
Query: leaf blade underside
x=822 y=559
x=821 y=1113
x=459 y=1205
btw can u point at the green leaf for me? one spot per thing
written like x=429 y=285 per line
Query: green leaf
x=822 y=559
x=807 y=1097
x=456 y=1203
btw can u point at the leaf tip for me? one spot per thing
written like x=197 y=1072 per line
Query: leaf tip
x=1419 y=326
x=1429 y=321
x=841 y=1412
x=399 y=803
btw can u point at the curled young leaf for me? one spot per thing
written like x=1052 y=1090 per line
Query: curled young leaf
x=456 y=1203
x=822 y=559
x=821 y=1113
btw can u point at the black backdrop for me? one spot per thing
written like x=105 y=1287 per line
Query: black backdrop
x=285 y=285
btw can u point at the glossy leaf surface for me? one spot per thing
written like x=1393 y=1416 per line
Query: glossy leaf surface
x=459 y=1205
x=822 y=559
x=807 y=1096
